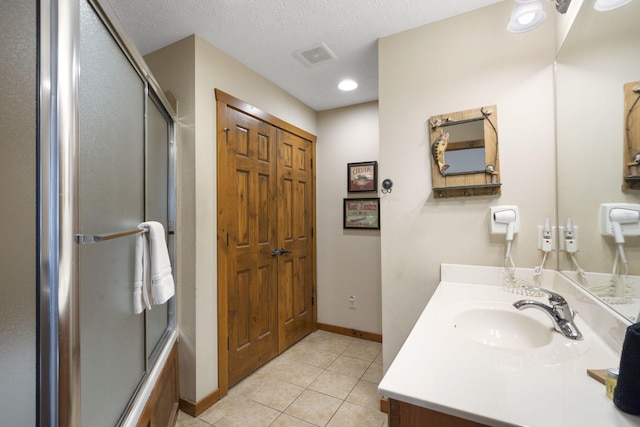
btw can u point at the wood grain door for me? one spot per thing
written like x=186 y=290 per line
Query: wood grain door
x=266 y=247
x=295 y=228
x=252 y=270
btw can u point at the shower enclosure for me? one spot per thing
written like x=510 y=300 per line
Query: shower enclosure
x=87 y=154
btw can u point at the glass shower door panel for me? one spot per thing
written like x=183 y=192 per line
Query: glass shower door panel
x=18 y=282
x=111 y=200
x=157 y=180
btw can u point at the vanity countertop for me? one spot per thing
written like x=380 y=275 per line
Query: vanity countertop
x=440 y=368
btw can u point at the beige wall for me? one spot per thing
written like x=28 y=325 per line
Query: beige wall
x=463 y=62
x=192 y=69
x=348 y=260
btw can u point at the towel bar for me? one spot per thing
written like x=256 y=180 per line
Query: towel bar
x=85 y=239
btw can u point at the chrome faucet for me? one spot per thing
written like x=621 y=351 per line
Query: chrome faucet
x=560 y=313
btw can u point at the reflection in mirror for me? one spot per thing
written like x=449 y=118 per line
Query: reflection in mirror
x=631 y=171
x=465 y=150
x=599 y=56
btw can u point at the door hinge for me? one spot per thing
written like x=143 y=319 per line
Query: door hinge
x=227 y=239
x=311 y=163
x=311 y=231
x=313 y=300
x=228 y=344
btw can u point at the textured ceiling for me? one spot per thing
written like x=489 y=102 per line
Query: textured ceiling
x=264 y=34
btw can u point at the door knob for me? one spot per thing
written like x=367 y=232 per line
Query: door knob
x=281 y=251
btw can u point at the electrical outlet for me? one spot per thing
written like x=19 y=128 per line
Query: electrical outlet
x=352 y=301
x=546 y=243
x=568 y=244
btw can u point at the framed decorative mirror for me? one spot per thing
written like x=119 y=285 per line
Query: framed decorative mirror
x=464 y=153
x=631 y=169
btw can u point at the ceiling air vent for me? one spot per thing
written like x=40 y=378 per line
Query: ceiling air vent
x=315 y=55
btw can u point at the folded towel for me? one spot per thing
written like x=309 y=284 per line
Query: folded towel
x=162 y=285
x=627 y=390
x=141 y=275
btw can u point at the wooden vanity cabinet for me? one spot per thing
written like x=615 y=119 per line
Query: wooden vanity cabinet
x=402 y=414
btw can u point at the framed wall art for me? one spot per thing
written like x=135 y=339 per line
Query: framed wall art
x=362 y=213
x=362 y=176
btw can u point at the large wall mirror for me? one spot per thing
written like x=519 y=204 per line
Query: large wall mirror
x=599 y=56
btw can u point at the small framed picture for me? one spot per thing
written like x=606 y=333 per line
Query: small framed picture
x=362 y=213
x=362 y=177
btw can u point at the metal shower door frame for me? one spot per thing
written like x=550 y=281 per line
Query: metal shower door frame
x=58 y=377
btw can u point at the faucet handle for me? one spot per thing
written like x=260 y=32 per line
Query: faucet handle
x=554 y=298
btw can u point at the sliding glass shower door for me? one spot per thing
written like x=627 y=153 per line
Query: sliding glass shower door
x=18 y=249
x=111 y=200
x=123 y=181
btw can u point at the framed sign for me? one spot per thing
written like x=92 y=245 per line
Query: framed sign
x=362 y=176
x=362 y=213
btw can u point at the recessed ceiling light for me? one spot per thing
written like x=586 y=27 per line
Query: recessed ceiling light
x=347 y=85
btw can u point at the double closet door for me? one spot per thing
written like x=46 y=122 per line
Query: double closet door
x=266 y=250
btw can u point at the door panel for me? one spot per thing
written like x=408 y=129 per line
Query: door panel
x=295 y=206
x=266 y=253
x=157 y=203
x=19 y=355
x=252 y=288
x=111 y=195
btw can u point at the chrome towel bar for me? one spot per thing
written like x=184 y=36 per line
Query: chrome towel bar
x=85 y=239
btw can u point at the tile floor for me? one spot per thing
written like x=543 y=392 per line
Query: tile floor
x=324 y=380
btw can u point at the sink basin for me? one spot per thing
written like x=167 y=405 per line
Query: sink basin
x=502 y=328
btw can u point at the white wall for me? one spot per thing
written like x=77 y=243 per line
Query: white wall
x=463 y=62
x=191 y=69
x=348 y=260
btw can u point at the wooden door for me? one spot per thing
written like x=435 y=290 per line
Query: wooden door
x=295 y=228
x=266 y=249
x=250 y=190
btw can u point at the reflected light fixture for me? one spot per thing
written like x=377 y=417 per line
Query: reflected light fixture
x=605 y=5
x=347 y=85
x=562 y=5
x=526 y=15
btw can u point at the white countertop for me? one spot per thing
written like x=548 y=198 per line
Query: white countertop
x=441 y=369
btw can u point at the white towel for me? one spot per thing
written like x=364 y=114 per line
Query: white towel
x=141 y=275
x=152 y=274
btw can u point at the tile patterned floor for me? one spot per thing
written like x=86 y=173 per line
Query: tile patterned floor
x=324 y=380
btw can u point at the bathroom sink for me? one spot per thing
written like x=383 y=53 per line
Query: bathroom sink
x=502 y=328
